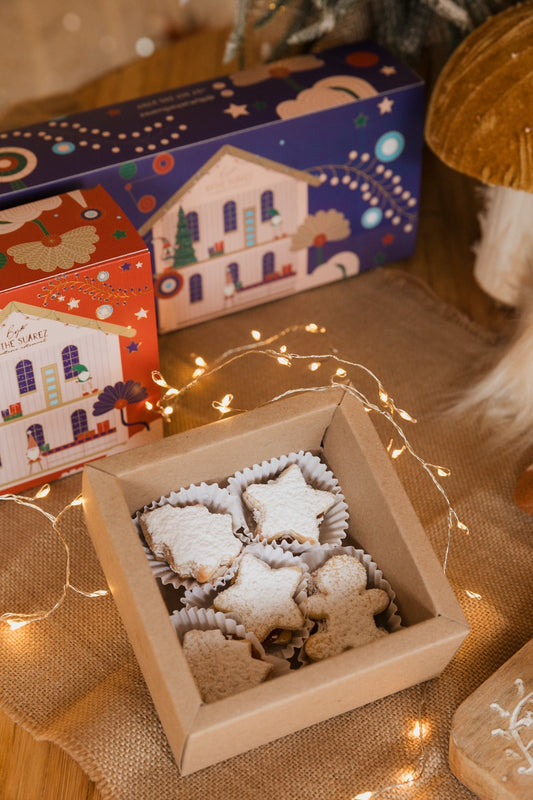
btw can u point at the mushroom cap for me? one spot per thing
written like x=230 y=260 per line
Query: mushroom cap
x=480 y=114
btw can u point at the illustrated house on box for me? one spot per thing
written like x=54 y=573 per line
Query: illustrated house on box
x=52 y=366
x=78 y=337
x=224 y=239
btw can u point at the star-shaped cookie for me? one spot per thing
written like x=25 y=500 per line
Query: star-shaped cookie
x=195 y=542
x=288 y=506
x=262 y=596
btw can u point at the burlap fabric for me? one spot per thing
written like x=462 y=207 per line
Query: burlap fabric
x=73 y=678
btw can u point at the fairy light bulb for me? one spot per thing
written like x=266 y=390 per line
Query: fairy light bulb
x=256 y=335
x=14 y=624
x=462 y=527
x=397 y=451
x=313 y=366
x=198 y=372
x=224 y=405
x=405 y=415
x=159 y=380
x=473 y=595
x=364 y=796
x=340 y=373
x=407 y=776
x=200 y=362
x=44 y=491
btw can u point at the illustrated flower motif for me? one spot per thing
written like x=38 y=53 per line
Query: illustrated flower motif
x=319 y=228
x=277 y=69
x=118 y=397
x=11 y=219
x=55 y=251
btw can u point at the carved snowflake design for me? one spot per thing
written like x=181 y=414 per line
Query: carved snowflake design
x=519 y=731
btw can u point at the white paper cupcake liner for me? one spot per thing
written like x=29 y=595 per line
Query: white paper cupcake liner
x=218 y=501
x=332 y=529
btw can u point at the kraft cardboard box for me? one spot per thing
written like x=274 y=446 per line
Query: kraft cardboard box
x=260 y=184
x=78 y=336
x=382 y=522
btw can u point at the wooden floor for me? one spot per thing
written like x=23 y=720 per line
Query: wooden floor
x=31 y=770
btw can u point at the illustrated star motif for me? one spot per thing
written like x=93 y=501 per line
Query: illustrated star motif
x=60 y=298
x=385 y=107
x=263 y=597
x=73 y=303
x=119 y=235
x=236 y=111
x=139 y=265
x=142 y=313
x=288 y=506
x=360 y=121
x=132 y=347
x=125 y=267
x=388 y=70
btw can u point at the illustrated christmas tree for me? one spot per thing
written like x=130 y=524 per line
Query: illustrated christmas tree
x=184 y=251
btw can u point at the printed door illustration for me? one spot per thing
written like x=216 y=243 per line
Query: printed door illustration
x=51 y=385
x=249 y=227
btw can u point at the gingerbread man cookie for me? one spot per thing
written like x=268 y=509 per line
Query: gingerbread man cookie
x=346 y=606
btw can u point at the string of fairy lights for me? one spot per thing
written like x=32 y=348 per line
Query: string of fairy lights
x=399 y=444
x=17 y=619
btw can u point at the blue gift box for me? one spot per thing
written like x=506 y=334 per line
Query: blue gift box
x=250 y=187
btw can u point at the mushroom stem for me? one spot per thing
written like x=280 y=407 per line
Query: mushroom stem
x=504 y=255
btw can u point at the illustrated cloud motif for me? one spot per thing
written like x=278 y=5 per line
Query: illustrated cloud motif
x=335 y=90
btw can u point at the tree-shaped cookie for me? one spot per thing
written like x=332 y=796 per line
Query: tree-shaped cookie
x=346 y=607
x=288 y=506
x=194 y=541
x=222 y=667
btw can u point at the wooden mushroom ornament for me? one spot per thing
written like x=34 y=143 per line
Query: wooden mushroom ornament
x=480 y=122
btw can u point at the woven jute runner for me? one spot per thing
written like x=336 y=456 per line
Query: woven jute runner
x=73 y=678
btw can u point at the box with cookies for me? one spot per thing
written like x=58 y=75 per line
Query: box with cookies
x=270 y=572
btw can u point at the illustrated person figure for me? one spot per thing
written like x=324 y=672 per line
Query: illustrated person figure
x=229 y=288
x=33 y=452
x=84 y=378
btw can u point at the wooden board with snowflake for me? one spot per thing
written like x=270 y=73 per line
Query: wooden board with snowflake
x=491 y=740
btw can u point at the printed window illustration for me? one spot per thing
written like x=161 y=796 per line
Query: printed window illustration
x=230 y=216
x=267 y=204
x=69 y=356
x=268 y=264
x=193 y=225
x=233 y=270
x=38 y=434
x=79 y=423
x=25 y=376
x=195 y=288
